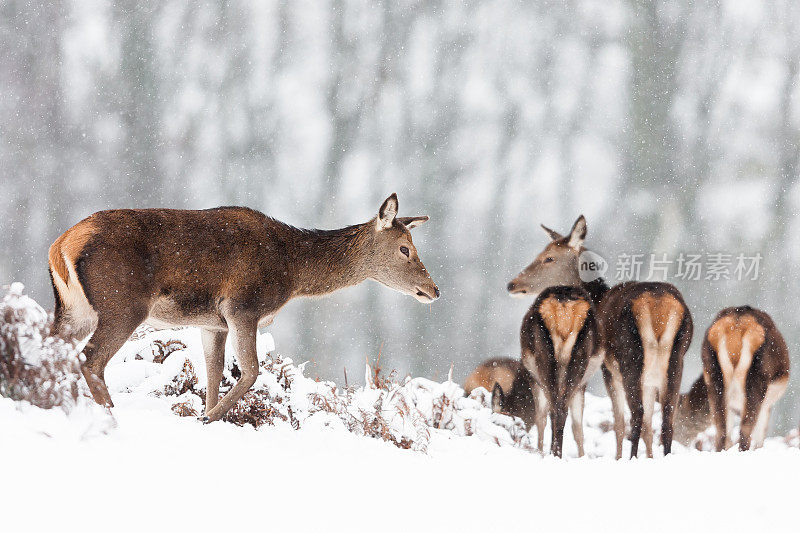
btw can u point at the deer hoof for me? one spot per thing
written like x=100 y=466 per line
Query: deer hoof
x=204 y=419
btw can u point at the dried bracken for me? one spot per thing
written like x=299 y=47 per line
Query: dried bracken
x=257 y=409
x=185 y=381
x=404 y=412
x=162 y=350
x=34 y=366
x=184 y=408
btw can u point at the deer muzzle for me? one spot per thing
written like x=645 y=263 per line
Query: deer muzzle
x=427 y=294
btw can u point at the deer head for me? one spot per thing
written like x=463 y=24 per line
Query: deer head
x=395 y=262
x=557 y=264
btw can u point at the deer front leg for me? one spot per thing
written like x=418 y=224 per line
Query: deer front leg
x=541 y=409
x=244 y=333
x=214 y=351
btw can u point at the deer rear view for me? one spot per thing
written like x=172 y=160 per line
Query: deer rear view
x=558 y=337
x=644 y=327
x=510 y=385
x=227 y=270
x=746 y=370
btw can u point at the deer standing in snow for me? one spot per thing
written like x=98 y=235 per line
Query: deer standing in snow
x=558 y=337
x=510 y=385
x=227 y=271
x=746 y=370
x=645 y=329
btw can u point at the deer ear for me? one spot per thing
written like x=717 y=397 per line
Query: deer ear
x=497 y=399
x=578 y=233
x=413 y=222
x=554 y=235
x=388 y=212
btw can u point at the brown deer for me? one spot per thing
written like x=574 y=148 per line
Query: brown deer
x=746 y=370
x=558 y=338
x=693 y=415
x=227 y=270
x=645 y=329
x=510 y=385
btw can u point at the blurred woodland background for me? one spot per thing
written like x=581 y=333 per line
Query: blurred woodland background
x=673 y=126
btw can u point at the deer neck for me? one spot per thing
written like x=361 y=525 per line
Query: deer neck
x=323 y=261
x=597 y=289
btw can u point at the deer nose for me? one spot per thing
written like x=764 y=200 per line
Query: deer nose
x=436 y=291
x=510 y=286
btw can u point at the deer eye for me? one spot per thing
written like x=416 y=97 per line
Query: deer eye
x=404 y=251
x=548 y=259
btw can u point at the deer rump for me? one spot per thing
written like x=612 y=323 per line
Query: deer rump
x=510 y=385
x=746 y=370
x=558 y=338
x=646 y=331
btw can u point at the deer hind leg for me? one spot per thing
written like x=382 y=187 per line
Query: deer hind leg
x=732 y=396
x=652 y=377
x=214 y=351
x=755 y=392
x=712 y=375
x=749 y=415
x=648 y=406
x=775 y=391
x=244 y=340
x=657 y=355
x=651 y=380
x=669 y=403
x=634 y=395
x=671 y=368
x=576 y=413
x=106 y=341
x=558 y=419
x=616 y=392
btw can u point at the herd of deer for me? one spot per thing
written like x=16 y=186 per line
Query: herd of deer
x=637 y=333
x=230 y=270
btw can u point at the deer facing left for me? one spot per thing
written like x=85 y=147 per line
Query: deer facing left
x=227 y=270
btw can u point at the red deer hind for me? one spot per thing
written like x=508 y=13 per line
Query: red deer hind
x=645 y=329
x=510 y=385
x=746 y=370
x=558 y=337
x=227 y=270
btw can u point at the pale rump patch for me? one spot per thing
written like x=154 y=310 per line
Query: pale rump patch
x=62 y=256
x=735 y=339
x=64 y=251
x=657 y=319
x=486 y=375
x=657 y=313
x=564 y=321
x=733 y=335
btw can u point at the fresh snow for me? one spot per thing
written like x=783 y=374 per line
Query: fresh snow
x=143 y=468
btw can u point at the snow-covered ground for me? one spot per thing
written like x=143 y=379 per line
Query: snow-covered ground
x=144 y=468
